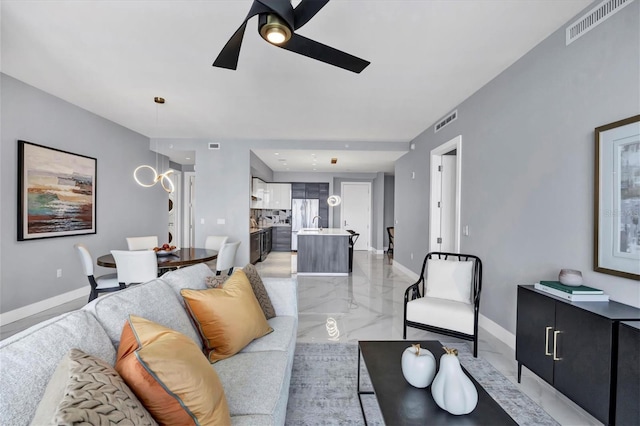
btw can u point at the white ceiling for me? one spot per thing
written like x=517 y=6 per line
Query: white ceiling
x=113 y=57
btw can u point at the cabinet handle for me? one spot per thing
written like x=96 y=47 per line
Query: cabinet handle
x=555 y=346
x=546 y=340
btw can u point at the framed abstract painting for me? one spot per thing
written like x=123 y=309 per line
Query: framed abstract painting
x=617 y=199
x=56 y=192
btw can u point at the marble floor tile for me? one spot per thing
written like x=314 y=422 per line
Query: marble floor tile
x=368 y=305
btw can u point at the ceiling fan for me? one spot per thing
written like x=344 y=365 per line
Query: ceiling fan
x=277 y=23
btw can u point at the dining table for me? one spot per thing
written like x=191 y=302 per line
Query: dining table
x=181 y=257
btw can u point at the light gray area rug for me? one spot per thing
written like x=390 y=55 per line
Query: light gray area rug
x=323 y=388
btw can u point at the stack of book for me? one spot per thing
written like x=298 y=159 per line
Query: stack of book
x=580 y=293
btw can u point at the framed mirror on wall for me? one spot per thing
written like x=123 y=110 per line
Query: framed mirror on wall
x=617 y=199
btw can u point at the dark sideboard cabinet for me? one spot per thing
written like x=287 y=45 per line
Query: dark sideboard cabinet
x=628 y=386
x=575 y=347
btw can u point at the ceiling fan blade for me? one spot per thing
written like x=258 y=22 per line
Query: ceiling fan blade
x=306 y=10
x=324 y=53
x=282 y=8
x=228 y=57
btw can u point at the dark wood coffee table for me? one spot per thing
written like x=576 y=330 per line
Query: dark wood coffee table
x=402 y=404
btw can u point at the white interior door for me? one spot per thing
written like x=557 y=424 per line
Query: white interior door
x=355 y=211
x=444 y=206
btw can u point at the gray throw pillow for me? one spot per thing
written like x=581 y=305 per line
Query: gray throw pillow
x=96 y=394
x=258 y=289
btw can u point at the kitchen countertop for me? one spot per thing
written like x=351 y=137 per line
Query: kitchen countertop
x=335 y=232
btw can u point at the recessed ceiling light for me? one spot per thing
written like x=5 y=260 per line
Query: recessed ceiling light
x=315 y=168
x=277 y=153
x=313 y=155
x=187 y=158
x=284 y=164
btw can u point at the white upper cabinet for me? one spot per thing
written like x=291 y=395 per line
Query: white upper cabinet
x=280 y=196
x=274 y=196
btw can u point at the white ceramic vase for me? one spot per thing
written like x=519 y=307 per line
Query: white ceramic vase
x=418 y=366
x=452 y=390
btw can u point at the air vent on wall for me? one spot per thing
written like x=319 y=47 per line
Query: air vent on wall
x=214 y=145
x=448 y=119
x=592 y=18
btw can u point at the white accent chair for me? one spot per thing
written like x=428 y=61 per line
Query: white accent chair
x=446 y=298
x=142 y=243
x=226 y=257
x=137 y=266
x=102 y=284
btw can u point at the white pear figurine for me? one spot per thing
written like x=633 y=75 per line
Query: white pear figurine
x=452 y=390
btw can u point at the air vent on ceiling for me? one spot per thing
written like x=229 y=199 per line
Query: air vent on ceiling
x=214 y=145
x=448 y=119
x=592 y=18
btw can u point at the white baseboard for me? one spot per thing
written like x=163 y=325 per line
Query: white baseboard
x=405 y=270
x=492 y=327
x=43 y=305
x=498 y=331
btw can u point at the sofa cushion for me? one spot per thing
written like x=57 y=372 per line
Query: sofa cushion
x=170 y=375
x=283 y=337
x=193 y=277
x=154 y=300
x=227 y=318
x=85 y=389
x=457 y=316
x=450 y=280
x=258 y=289
x=29 y=358
x=259 y=380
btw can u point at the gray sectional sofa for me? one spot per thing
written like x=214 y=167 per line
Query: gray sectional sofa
x=255 y=381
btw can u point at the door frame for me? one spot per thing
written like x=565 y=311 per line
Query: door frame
x=188 y=211
x=369 y=218
x=436 y=190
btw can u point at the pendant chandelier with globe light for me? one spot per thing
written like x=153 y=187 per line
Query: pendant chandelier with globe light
x=163 y=178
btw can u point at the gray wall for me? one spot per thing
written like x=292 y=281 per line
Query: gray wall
x=528 y=164
x=28 y=268
x=259 y=169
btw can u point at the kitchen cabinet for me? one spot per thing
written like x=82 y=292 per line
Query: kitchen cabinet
x=258 y=193
x=312 y=190
x=281 y=238
x=280 y=196
x=273 y=196
x=254 y=247
x=298 y=190
x=572 y=346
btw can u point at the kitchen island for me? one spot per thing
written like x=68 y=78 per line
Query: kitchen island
x=323 y=252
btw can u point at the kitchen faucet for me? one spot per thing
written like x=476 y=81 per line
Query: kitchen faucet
x=318 y=223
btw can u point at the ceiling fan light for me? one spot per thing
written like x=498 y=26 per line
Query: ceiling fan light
x=275 y=35
x=273 y=29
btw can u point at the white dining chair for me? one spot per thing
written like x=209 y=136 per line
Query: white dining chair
x=226 y=257
x=101 y=284
x=142 y=243
x=215 y=242
x=137 y=266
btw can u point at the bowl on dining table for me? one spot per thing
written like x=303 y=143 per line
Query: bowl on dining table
x=163 y=252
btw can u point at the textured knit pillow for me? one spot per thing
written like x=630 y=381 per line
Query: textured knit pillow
x=92 y=393
x=170 y=375
x=227 y=318
x=216 y=281
x=449 y=279
x=258 y=289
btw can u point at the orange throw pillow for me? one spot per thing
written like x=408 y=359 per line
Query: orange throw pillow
x=169 y=374
x=227 y=318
